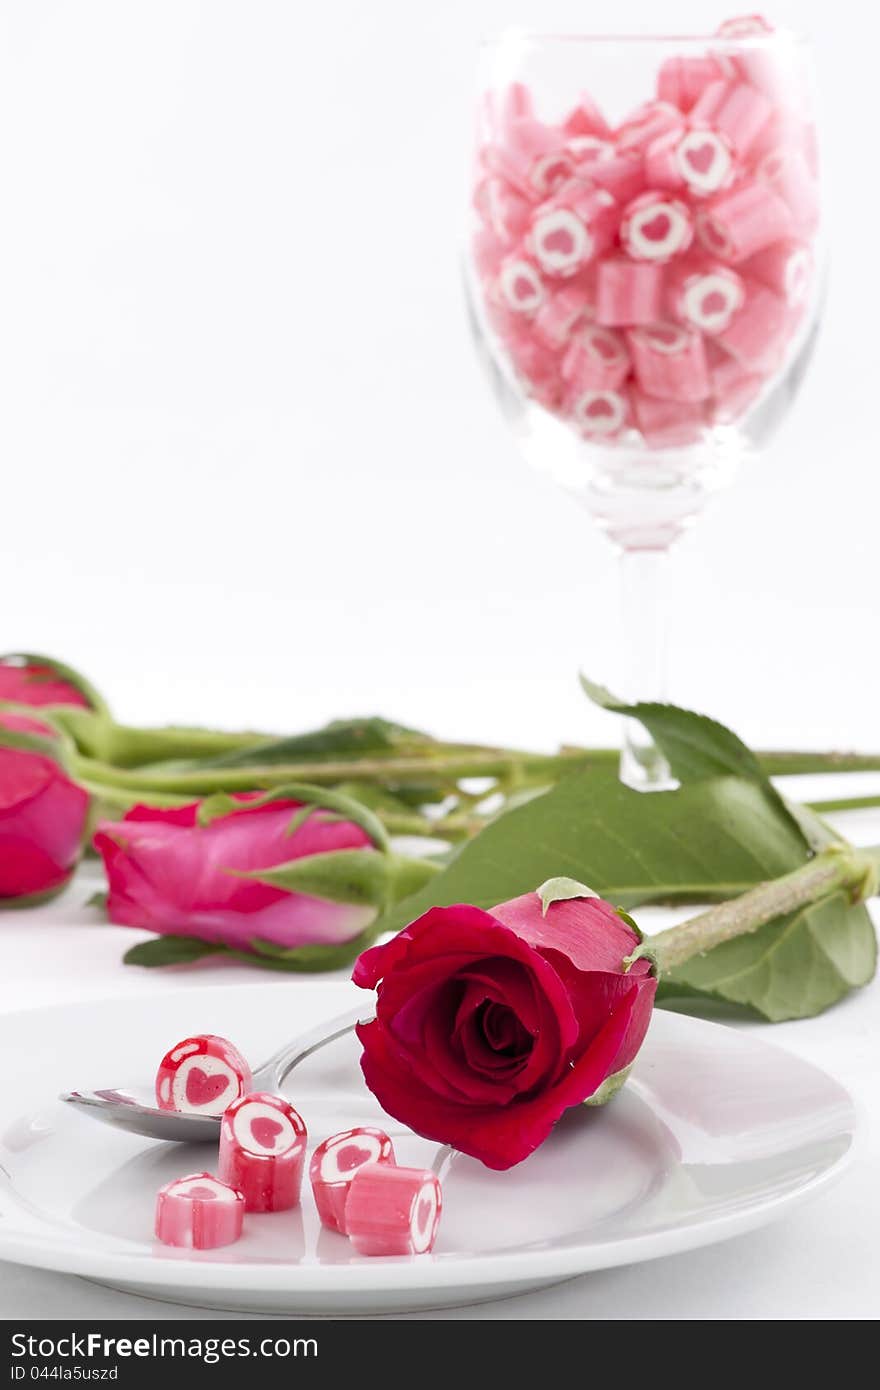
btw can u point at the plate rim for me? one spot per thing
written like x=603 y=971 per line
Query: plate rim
x=388 y=1275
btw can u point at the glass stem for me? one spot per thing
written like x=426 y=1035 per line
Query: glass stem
x=644 y=605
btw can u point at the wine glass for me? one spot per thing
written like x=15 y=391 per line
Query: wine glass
x=643 y=280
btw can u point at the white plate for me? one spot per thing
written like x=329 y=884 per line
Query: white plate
x=715 y=1133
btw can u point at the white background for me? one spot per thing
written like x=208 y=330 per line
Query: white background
x=252 y=473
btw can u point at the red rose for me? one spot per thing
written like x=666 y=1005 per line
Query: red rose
x=42 y=814
x=490 y=1024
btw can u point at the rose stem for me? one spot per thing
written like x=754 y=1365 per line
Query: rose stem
x=836 y=869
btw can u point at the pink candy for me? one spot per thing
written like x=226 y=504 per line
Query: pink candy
x=628 y=292
x=520 y=285
x=670 y=362
x=655 y=228
x=735 y=110
x=597 y=359
x=393 y=1211
x=705 y=296
x=262 y=1151
x=560 y=314
x=572 y=228
x=202 y=1075
x=599 y=414
x=199 y=1213
x=743 y=221
x=757 y=330
x=336 y=1162
x=647 y=282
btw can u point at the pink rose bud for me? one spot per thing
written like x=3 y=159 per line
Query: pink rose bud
x=34 y=680
x=597 y=359
x=786 y=268
x=198 y=1213
x=670 y=362
x=563 y=311
x=268 y=868
x=520 y=285
x=600 y=415
x=758 y=330
x=393 y=1211
x=668 y=424
x=42 y=812
x=573 y=228
x=201 y=1075
x=263 y=1151
x=655 y=228
x=735 y=111
x=705 y=295
x=737 y=224
x=628 y=292
x=336 y=1162
x=646 y=124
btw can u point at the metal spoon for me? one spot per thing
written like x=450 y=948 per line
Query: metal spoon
x=134 y=1110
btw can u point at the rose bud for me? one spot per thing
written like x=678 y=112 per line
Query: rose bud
x=40 y=680
x=42 y=812
x=489 y=1025
x=262 y=873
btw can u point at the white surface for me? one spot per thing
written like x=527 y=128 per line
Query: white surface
x=715 y=1134
x=232 y=438
x=239 y=409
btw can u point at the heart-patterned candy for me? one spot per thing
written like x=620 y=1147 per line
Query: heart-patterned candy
x=656 y=228
x=203 y=1087
x=704 y=161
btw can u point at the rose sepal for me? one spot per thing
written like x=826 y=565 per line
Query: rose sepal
x=357 y=876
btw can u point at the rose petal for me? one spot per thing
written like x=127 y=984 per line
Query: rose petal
x=499 y=1136
x=587 y=931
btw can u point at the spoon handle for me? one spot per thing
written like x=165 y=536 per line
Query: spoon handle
x=271 y=1075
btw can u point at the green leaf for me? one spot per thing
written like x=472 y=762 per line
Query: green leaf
x=711 y=839
x=557 y=890
x=169 y=950
x=694 y=745
x=98 y=900
x=794 y=967
x=707 y=841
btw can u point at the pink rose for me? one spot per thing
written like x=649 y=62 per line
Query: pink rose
x=490 y=1024
x=42 y=813
x=206 y=870
x=28 y=681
